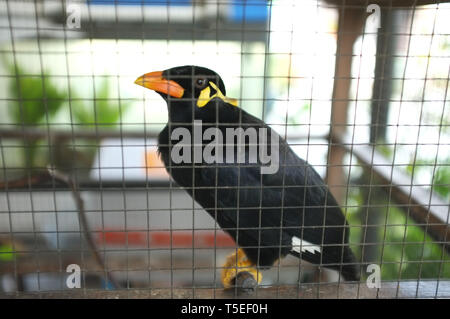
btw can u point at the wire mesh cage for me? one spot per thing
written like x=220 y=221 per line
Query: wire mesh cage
x=354 y=94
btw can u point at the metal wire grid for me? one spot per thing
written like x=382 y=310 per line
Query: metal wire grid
x=122 y=187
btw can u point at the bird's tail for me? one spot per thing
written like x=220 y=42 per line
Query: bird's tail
x=350 y=268
x=346 y=264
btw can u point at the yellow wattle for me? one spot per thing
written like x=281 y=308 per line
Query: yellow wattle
x=205 y=97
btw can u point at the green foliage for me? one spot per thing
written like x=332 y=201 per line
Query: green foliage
x=299 y=114
x=406 y=251
x=409 y=253
x=36 y=97
x=102 y=110
x=385 y=150
x=6 y=252
x=441 y=178
x=37 y=100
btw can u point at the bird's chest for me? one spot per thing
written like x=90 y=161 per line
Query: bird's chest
x=208 y=175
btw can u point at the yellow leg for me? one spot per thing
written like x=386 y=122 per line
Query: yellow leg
x=236 y=263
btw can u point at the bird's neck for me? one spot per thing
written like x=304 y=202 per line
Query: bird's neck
x=179 y=111
x=182 y=112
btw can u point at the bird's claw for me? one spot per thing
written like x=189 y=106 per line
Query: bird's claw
x=245 y=283
x=240 y=273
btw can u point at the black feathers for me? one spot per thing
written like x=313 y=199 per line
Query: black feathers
x=265 y=213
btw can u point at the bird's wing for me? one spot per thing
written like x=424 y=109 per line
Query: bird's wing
x=295 y=184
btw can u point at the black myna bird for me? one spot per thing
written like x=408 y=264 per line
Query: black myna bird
x=286 y=210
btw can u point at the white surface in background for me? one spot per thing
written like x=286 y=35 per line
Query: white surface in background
x=124 y=160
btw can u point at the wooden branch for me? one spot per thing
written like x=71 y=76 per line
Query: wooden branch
x=423 y=205
x=83 y=222
x=351 y=22
x=25 y=182
x=402 y=289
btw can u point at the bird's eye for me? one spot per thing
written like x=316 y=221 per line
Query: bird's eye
x=201 y=83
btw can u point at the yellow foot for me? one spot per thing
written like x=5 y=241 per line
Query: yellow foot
x=238 y=263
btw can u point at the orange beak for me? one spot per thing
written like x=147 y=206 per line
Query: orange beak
x=155 y=81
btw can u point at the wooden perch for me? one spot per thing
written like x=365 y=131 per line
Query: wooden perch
x=402 y=289
x=425 y=207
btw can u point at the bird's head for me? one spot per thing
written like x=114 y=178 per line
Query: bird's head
x=187 y=86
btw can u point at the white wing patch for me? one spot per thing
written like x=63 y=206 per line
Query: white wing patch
x=299 y=245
